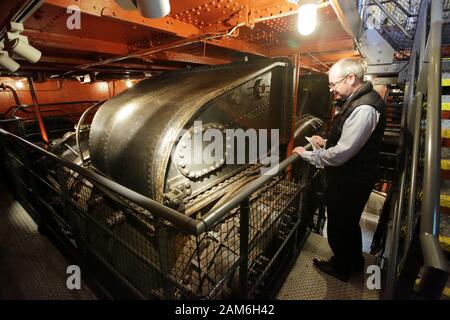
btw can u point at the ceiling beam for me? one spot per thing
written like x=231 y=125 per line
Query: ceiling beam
x=252 y=14
x=347 y=13
x=187 y=58
x=62 y=41
x=110 y=9
x=239 y=45
x=77 y=61
x=317 y=47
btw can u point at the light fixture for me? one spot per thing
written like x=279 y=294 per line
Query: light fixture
x=8 y=63
x=307 y=18
x=128 y=83
x=147 y=8
x=153 y=8
x=19 y=84
x=23 y=49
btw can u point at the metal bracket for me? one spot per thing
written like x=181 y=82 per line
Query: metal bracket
x=375 y=49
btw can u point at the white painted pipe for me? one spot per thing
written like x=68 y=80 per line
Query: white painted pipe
x=154 y=8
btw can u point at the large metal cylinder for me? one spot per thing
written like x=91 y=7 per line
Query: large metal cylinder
x=135 y=137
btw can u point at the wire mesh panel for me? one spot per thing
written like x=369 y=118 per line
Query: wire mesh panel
x=394 y=20
x=147 y=255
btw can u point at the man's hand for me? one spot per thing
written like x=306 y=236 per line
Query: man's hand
x=299 y=150
x=319 y=140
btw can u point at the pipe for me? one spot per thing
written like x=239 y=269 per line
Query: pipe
x=37 y=110
x=417 y=105
x=13 y=91
x=294 y=113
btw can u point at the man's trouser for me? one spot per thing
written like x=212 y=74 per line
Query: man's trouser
x=345 y=199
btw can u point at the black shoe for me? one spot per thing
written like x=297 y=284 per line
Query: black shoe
x=356 y=270
x=328 y=268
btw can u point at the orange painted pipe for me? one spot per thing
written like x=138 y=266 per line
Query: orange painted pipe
x=37 y=110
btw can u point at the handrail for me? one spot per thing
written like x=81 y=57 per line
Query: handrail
x=185 y=223
x=13 y=90
x=429 y=226
x=426 y=52
x=214 y=216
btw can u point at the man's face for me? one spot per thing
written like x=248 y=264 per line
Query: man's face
x=340 y=86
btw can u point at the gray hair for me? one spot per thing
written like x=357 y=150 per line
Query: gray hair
x=348 y=66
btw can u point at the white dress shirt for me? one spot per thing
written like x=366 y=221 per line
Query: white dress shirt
x=356 y=131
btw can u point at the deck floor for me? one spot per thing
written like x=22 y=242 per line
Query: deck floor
x=306 y=282
x=31 y=267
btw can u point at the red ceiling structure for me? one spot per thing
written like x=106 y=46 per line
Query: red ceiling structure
x=196 y=32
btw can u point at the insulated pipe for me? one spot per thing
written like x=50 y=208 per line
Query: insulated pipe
x=13 y=91
x=37 y=110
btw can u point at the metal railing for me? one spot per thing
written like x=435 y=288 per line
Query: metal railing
x=155 y=251
x=394 y=20
x=419 y=182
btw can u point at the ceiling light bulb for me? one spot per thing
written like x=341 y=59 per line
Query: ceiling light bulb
x=19 y=85
x=307 y=18
x=129 y=83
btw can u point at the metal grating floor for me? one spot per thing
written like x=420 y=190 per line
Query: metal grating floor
x=305 y=282
x=30 y=265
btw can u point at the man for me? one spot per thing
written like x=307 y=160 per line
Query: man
x=350 y=160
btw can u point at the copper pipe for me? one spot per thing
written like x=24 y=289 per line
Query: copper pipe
x=13 y=90
x=37 y=110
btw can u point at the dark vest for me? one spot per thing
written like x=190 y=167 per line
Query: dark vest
x=362 y=165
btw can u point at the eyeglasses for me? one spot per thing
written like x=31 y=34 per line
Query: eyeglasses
x=334 y=86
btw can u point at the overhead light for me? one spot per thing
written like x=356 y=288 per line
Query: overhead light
x=26 y=51
x=8 y=63
x=153 y=8
x=307 y=18
x=147 y=8
x=128 y=83
x=19 y=84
